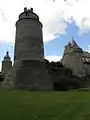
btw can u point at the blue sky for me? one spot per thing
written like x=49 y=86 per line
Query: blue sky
x=61 y=20
x=55 y=47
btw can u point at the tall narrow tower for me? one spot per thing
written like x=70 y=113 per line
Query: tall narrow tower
x=29 y=63
x=6 y=64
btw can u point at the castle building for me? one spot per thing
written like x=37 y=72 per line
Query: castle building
x=29 y=70
x=76 y=59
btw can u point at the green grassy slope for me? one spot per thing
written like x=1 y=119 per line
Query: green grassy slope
x=23 y=105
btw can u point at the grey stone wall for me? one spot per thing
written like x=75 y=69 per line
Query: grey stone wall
x=29 y=75
x=32 y=75
x=87 y=68
x=75 y=63
x=6 y=66
x=29 y=41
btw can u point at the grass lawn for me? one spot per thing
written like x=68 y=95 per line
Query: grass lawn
x=25 y=105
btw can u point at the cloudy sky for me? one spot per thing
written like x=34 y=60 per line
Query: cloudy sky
x=61 y=20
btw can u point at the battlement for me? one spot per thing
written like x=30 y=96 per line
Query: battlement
x=28 y=10
x=28 y=13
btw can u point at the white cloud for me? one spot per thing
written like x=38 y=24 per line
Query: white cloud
x=52 y=15
x=53 y=58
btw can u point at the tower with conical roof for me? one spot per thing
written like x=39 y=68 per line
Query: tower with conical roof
x=74 y=44
x=72 y=58
x=6 y=64
x=67 y=47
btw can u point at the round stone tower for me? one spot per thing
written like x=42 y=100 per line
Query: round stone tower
x=29 y=41
x=29 y=63
x=6 y=64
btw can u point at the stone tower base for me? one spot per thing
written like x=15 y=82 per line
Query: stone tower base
x=30 y=75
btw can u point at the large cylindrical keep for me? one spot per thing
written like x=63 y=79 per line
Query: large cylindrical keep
x=29 y=40
x=29 y=67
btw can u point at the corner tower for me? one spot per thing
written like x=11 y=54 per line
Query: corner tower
x=72 y=59
x=6 y=64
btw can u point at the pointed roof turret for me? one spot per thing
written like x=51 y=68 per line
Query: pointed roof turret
x=69 y=43
x=7 y=57
x=73 y=43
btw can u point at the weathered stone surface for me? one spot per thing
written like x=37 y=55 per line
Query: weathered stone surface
x=9 y=79
x=73 y=59
x=31 y=75
x=29 y=38
x=29 y=48
x=6 y=64
x=75 y=63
